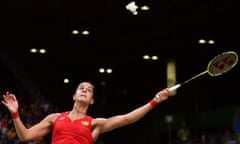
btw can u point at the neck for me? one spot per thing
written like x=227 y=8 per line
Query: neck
x=79 y=110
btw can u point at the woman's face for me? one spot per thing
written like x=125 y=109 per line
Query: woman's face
x=84 y=93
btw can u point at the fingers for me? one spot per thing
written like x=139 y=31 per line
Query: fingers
x=168 y=91
x=5 y=99
x=9 y=97
x=4 y=103
x=163 y=94
x=9 y=94
x=164 y=91
x=10 y=102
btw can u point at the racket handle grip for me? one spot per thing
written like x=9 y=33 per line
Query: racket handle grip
x=174 y=87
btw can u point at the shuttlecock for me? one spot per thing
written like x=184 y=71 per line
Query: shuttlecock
x=132 y=7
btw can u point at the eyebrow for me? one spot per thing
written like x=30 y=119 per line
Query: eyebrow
x=87 y=86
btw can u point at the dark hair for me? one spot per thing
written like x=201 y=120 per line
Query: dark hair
x=92 y=83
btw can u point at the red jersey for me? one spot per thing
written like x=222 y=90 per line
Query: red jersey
x=66 y=131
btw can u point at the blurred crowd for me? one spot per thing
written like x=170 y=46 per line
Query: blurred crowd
x=31 y=111
x=185 y=135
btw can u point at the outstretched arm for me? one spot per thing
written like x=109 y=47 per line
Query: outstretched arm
x=105 y=125
x=24 y=134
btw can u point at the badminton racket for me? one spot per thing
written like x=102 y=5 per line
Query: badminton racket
x=219 y=65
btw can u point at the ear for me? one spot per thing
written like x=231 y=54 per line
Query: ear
x=74 y=97
x=92 y=101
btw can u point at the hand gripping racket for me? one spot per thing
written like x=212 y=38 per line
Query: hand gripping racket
x=219 y=65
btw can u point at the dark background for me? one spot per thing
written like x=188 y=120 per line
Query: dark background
x=118 y=40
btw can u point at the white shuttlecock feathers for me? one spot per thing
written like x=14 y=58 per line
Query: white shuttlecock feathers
x=132 y=7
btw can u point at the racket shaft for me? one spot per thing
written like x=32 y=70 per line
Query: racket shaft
x=180 y=84
x=174 y=87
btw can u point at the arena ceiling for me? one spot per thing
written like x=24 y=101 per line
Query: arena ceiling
x=118 y=40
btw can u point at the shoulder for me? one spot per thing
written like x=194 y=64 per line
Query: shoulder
x=98 y=121
x=52 y=117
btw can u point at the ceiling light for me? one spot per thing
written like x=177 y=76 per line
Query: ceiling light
x=211 y=42
x=145 y=8
x=154 y=57
x=146 y=57
x=42 y=51
x=33 y=50
x=66 y=80
x=101 y=70
x=75 y=32
x=109 y=70
x=85 y=32
x=202 y=41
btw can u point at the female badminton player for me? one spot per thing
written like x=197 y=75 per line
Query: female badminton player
x=75 y=126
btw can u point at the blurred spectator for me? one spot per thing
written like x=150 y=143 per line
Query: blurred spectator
x=184 y=134
x=3 y=130
x=228 y=137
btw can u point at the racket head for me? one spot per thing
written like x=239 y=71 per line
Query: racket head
x=222 y=63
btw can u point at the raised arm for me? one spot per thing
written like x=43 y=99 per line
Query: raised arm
x=105 y=125
x=25 y=134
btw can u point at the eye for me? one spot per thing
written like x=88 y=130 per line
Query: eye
x=81 y=88
x=89 y=90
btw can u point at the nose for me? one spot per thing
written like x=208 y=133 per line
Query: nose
x=84 y=89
